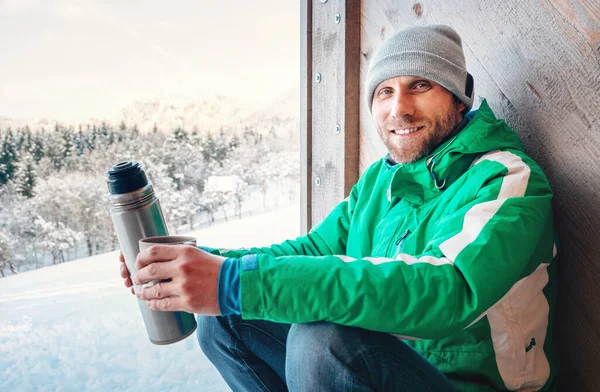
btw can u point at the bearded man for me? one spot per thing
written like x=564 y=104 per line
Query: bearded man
x=435 y=274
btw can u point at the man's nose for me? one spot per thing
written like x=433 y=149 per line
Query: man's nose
x=403 y=106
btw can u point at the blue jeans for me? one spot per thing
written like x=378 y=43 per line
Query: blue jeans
x=254 y=355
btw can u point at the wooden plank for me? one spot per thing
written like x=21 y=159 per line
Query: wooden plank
x=351 y=93
x=305 y=115
x=582 y=376
x=537 y=63
x=335 y=38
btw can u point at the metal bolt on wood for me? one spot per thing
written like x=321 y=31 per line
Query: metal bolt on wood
x=338 y=129
x=338 y=18
x=318 y=78
x=317 y=181
x=323 y=1
x=418 y=9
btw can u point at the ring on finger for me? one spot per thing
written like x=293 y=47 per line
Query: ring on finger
x=157 y=289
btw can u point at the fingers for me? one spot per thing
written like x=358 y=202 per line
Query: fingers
x=158 y=291
x=165 y=304
x=156 y=253
x=124 y=271
x=154 y=271
x=125 y=275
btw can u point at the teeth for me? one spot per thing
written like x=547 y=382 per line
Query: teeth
x=405 y=131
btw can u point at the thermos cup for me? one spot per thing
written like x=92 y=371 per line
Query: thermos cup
x=136 y=214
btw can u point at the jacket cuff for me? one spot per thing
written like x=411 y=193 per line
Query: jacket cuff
x=228 y=294
x=210 y=250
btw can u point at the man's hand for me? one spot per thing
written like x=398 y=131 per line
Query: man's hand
x=194 y=278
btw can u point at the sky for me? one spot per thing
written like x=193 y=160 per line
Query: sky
x=70 y=60
x=75 y=327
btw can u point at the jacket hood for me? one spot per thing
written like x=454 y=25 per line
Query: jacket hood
x=424 y=179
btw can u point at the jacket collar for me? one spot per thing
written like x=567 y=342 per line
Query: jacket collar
x=422 y=180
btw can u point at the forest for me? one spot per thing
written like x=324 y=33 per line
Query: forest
x=53 y=192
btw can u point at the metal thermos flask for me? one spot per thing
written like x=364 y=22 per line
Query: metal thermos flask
x=136 y=214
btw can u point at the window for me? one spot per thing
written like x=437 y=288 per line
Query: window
x=205 y=95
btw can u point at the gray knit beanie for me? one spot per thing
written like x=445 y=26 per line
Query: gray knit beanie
x=433 y=52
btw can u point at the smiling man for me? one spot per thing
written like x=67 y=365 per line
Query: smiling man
x=435 y=274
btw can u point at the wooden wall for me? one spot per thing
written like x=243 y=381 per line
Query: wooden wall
x=330 y=104
x=538 y=64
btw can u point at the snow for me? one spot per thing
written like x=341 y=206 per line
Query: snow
x=225 y=184
x=75 y=327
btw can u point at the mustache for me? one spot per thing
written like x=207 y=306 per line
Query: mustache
x=390 y=125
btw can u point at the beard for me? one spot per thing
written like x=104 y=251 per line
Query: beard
x=410 y=149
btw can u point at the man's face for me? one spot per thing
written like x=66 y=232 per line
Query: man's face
x=414 y=115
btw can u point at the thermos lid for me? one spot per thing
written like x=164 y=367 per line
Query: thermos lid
x=125 y=177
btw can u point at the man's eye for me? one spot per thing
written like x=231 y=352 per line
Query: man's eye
x=422 y=85
x=385 y=91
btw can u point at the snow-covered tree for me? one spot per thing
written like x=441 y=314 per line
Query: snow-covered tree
x=37 y=149
x=8 y=158
x=79 y=202
x=6 y=253
x=57 y=238
x=210 y=202
x=16 y=221
x=249 y=161
x=239 y=195
x=25 y=176
x=284 y=171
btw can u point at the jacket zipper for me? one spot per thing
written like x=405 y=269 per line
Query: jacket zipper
x=401 y=240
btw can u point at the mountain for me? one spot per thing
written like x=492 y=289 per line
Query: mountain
x=204 y=114
x=34 y=124
x=285 y=108
x=173 y=112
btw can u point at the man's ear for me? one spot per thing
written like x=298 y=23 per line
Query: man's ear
x=462 y=108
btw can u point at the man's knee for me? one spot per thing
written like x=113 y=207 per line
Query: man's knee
x=315 y=350
x=308 y=339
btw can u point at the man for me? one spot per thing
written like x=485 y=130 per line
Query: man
x=433 y=275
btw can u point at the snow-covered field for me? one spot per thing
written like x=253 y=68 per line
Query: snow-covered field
x=74 y=326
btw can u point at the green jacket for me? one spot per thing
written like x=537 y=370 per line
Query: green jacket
x=454 y=253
